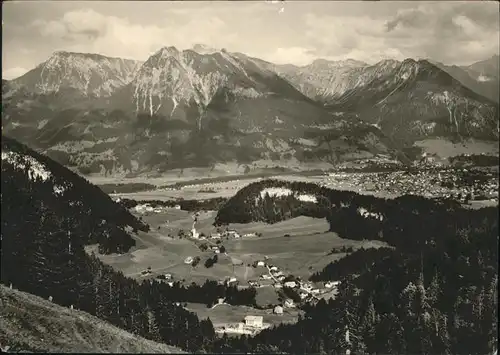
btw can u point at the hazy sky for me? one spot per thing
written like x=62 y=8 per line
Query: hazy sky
x=450 y=32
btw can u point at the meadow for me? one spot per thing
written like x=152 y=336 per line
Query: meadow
x=303 y=252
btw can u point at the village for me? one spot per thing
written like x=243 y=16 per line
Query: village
x=460 y=184
x=292 y=291
x=212 y=252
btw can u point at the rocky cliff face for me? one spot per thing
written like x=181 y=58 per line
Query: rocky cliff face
x=87 y=74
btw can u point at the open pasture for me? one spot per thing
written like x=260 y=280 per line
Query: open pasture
x=302 y=253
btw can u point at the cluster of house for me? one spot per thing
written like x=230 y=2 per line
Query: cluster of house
x=230 y=233
x=250 y=326
x=429 y=183
x=145 y=208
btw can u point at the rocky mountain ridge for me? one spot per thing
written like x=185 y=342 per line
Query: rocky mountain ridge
x=202 y=106
x=88 y=74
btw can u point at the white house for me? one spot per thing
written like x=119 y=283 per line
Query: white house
x=168 y=276
x=289 y=303
x=231 y=280
x=249 y=235
x=177 y=207
x=253 y=321
x=277 y=274
x=265 y=277
x=278 y=310
x=188 y=260
x=281 y=278
x=261 y=263
x=215 y=236
x=315 y=291
x=278 y=285
x=291 y=284
x=273 y=268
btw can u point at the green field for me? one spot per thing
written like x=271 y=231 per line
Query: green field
x=301 y=254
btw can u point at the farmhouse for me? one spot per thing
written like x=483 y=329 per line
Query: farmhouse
x=250 y=235
x=232 y=233
x=277 y=274
x=253 y=321
x=188 y=260
x=261 y=263
x=265 y=277
x=215 y=236
x=291 y=284
x=168 y=276
x=278 y=310
x=278 y=285
x=273 y=268
x=315 y=291
x=289 y=303
x=281 y=278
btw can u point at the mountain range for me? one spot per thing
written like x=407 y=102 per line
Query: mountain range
x=204 y=106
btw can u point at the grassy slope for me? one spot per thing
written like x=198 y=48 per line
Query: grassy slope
x=39 y=325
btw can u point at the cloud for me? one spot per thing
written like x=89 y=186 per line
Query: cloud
x=89 y=31
x=13 y=73
x=458 y=33
x=295 y=55
x=75 y=24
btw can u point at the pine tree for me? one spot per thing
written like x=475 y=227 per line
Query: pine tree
x=368 y=326
x=345 y=334
x=152 y=326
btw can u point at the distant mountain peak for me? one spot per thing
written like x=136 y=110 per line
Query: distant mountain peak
x=204 y=49
x=89 y=74
x=337 y=63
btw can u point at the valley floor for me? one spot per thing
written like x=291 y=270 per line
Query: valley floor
x=301 y=254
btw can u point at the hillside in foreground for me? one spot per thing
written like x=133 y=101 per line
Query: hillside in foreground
x=30 y=323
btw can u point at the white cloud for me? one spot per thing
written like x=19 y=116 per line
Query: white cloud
x=295 y=55
x=13 y=73
x=89 y=31
x=449 y=32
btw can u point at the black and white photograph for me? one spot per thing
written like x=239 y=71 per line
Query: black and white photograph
x=250 y=177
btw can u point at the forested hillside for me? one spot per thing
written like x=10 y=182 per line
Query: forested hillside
x=33 y=183
x=48 y=216
x=434 y=293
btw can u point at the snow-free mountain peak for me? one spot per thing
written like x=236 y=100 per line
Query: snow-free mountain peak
x=87 y=74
